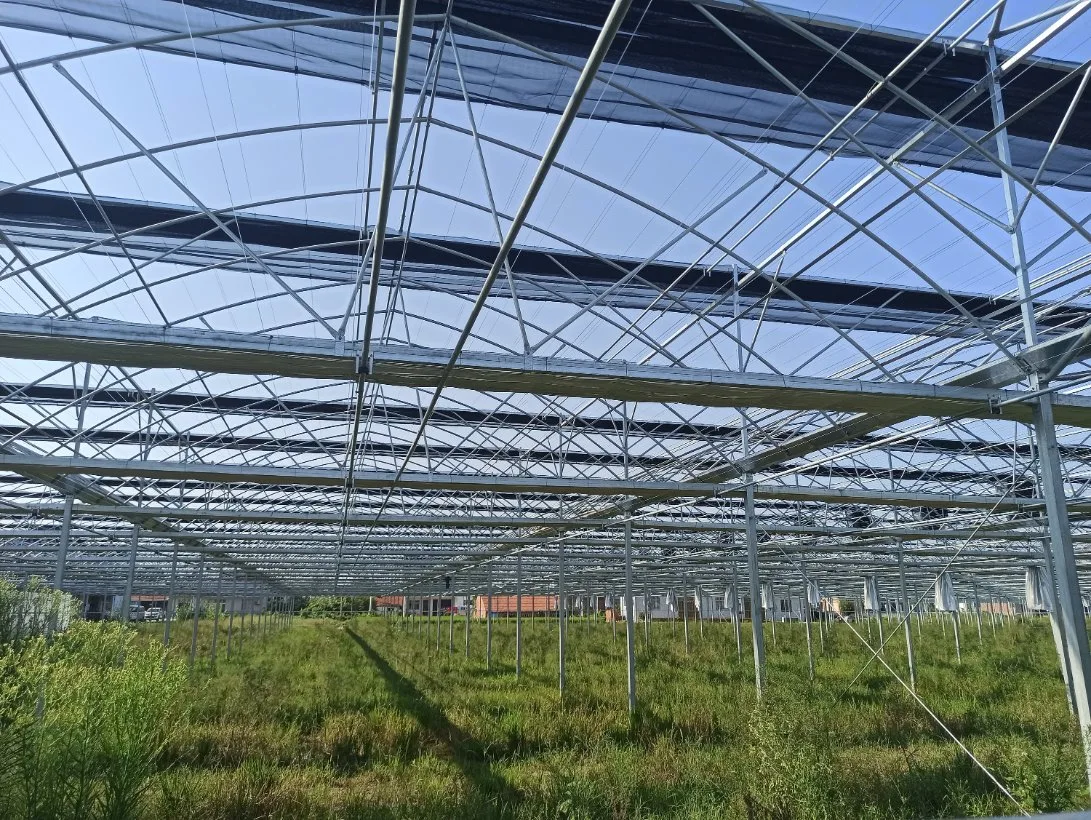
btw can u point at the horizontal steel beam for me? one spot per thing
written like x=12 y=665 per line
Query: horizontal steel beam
x=134 y=345
x=455 y=482
x=325 y=409
x=435 y=535
x=200 y=445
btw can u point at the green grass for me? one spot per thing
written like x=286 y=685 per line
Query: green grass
x=366 y=718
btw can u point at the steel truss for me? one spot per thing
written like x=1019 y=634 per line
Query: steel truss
x=861 y=353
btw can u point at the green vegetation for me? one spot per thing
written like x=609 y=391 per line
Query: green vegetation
x=83 y=722
x=335 y=606
x=34 y=610
x=367 y=719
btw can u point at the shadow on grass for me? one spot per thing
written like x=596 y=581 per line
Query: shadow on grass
x=455 y=744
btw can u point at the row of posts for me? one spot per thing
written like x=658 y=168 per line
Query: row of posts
x=277 y=613
x=873 y=612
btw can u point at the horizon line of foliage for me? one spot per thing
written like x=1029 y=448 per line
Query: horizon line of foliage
x=335 y=606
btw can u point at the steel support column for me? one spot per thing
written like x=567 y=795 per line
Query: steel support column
x=167 y=614
x=127 y=601
x=231 y=610
x=216 y=618
x=518 y=616
x=1059 y=545
x=907 y=617
x=755 y=589
x=62 y=547
x=977 y=615
x=630 y=625
x=469 y=601
x=805 y=614
x=196 y=610
x=561 y=608
x=685 y=615
x=958 y=636
x=737 y=599
x=488 y=621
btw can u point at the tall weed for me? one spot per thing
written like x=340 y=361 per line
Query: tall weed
x=82 y=722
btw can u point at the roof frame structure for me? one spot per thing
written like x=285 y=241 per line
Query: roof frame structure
x=828 y=310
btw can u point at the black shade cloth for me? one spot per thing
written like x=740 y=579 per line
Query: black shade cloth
x=675 y=57
x=60 y=221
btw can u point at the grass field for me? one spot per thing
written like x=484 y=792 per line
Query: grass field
x=365 y=718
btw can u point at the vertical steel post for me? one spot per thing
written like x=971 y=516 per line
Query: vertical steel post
x=66 y=516
x=437 y=606
x=630 y=625
x=773 y=612
x=168 y=616
x=24 y=601
x=1056 y=626
x=561 y=609
x=1076 y=651
x=62 y=547
x=488 y=620
x=698 y=600
x=907 y=615
x=684 y=603
x=977 y=614
x=879 y=619
x=958 y=637
x=755 y=587
x=469 y=600
x=196 y=610
x=735 y=619
x=673 y=608
x=216 y=618
x=518 y=616
x=127 y=601
x=242 y=618
x=231 y=610
x=647 y=628
x=805 y=614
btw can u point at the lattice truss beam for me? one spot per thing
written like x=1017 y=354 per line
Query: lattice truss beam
x=311 y=294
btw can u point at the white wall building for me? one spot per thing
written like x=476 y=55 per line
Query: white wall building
x=712 y=606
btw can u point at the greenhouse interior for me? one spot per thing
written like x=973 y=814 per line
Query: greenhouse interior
x=723 y=313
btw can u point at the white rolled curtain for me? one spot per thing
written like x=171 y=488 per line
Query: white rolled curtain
x=945 y=593
x=671 y=602
x=609 y=603
x=697 y=599
x=766 y=595
x=814 y=598
x=731 y=601
x=871 y=594
x=1036 y=589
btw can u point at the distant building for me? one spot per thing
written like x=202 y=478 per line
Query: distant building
x=508 y=605
x=417 y=605
x=100 y=607
x=999 y=607
x=709 y=606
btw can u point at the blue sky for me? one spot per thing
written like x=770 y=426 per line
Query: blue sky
x=167 y=98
